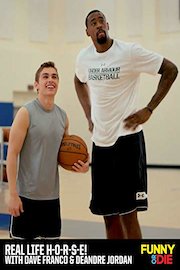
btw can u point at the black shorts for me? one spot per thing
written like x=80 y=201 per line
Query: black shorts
x=119 y=176
x=39 y=219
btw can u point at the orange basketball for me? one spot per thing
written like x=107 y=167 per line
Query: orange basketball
x=72 y=149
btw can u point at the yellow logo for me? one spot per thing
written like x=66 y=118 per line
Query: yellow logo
x=160 y=253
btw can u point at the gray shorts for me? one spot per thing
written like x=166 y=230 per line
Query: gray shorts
x=119 y=176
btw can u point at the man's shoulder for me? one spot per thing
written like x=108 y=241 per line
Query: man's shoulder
x=30 y=104
x=124 y=44
x=85 y=51
x=60 y=109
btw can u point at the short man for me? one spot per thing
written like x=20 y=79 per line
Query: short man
x=34 y=142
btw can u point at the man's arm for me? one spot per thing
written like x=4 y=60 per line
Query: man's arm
x=82 y=91
x=66 y=131
x=16 y=140
x=168 y=71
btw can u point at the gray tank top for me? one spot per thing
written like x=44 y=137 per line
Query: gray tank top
x=38 y=176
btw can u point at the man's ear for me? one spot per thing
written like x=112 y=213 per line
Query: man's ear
x=87 y=32
x=108 y=25
x=35 y=85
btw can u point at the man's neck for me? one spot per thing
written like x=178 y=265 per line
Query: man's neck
x=46 y=102
x=100 y=48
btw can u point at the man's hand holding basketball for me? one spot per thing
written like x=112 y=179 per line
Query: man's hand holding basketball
x=80 y=166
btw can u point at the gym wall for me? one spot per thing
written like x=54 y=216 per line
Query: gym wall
x=35 y=31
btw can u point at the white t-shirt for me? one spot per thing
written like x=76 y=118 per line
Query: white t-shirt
x=113 y=79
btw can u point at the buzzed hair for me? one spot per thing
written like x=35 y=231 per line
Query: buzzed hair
x=92 y=11
x=44 y=65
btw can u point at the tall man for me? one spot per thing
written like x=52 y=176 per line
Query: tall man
x=106 y=81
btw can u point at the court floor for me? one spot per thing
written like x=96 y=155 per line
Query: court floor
x=161 y=221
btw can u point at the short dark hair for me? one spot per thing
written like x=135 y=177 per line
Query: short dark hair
x=44 y=65
x=92 y=11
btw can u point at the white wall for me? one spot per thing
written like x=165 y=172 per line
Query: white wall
x=34 y=31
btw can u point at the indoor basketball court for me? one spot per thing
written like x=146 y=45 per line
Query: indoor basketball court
x=161 y=221
x=55 y=31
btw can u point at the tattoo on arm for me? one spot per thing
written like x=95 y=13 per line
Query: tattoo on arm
x=168 y=72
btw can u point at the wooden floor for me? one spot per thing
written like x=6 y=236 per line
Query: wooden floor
x=161 y=221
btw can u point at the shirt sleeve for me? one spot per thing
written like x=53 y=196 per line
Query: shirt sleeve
x=145 y=60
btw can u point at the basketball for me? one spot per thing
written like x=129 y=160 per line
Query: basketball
x=72 y=149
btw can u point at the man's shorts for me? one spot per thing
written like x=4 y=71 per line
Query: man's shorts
x=119 y=176
x=40 y=219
